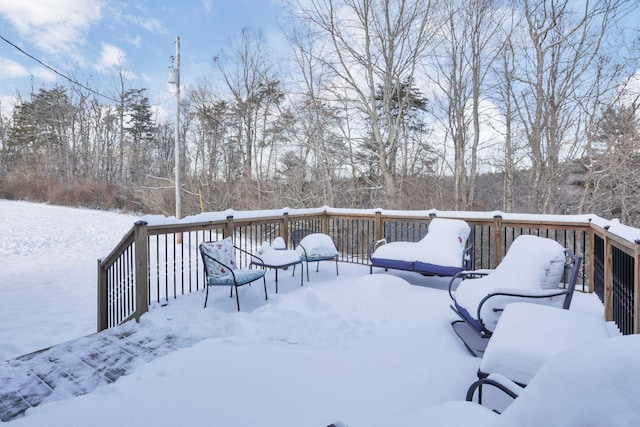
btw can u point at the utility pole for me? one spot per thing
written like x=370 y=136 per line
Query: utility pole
x=177 y=132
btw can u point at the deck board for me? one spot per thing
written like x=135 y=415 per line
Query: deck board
x=74 y=368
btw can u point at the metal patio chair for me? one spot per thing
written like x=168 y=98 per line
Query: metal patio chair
x=314 y=247
x=535 y=269
x=220 y=268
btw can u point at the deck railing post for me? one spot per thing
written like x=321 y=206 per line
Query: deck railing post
x=636 y=289
x=497 y=241
x=228 y=231
x=608 y=276
x=325 y=222
x=378 y=229
x=103 y=319
x=591 y=274
x=284 y=228
x=142 y=268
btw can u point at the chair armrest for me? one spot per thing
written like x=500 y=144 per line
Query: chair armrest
x=467 y=274
x=375 y=244
x=252 y=256
x=474 y=274
x=303 y=250
x=256 y=257
x=526 y=293
x=498 y=381
x=467 y=260
x=517 y=293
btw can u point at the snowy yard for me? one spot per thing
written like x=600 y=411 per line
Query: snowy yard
x=365 y=349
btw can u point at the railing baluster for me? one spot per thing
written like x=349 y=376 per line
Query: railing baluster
x=352 y=232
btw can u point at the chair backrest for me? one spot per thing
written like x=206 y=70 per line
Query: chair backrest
x=450 y=238
x=402 y=231
x=571 y=271
x=221 y=251
x=536 y=262
x=595 y=384
x=298 y=235
x=314 y=244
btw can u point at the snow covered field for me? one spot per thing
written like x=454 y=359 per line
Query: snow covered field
x=48 y=268
x=367 y=350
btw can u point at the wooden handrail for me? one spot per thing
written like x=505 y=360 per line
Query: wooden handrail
x=138 y=272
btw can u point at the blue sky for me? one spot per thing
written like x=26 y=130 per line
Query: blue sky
x=92 y=39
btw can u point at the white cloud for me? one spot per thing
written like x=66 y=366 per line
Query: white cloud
x=44 y=74
x=136 y=41
x=52 y=25
x=207 y=5
x=110 y=56
x=10 y=69
x=150 y=24
x=7 y=102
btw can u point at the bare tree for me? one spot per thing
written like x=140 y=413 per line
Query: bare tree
x=611 y=181
x=559 y=50
x=373 y=45
x=253 y=88
x=467 y=47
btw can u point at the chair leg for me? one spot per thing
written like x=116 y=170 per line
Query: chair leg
x=301 y=274
x=265 y=286
x=337 y=274
x=237 y=298
x=307 y=262
x=206 y=297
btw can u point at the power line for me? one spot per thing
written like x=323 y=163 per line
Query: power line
x=58 y=72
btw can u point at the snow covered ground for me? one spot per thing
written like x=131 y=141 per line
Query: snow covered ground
x=363 y=349
x=48 y=269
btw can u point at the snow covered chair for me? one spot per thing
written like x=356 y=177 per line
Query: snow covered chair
x=529 y=335
x=535 y=269
x=314 y=247
x=220 y=268
x=444 y=251
x=594 y=384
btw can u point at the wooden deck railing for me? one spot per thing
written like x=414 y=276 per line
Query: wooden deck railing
x=158 y=259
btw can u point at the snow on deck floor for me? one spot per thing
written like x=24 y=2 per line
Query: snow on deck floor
x=367 y=340
x=353 y=347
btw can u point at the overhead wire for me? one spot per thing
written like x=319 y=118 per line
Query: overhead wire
x=58 y=72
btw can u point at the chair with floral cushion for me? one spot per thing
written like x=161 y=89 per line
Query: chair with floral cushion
x=220 y=268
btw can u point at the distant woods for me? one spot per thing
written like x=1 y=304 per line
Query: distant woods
x=522 y=106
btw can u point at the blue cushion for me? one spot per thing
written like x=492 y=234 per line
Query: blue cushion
x=243 y=277
x=392 y=263
x=438 y=270
x=468 y=317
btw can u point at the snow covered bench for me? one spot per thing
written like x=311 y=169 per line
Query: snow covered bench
x=444 y=250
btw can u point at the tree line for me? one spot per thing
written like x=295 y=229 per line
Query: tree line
x=525 y=105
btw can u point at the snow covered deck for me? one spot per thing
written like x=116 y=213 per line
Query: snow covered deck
x=384 y=338
x=360 y=348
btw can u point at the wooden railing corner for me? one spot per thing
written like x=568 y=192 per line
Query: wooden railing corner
x=142 y=268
